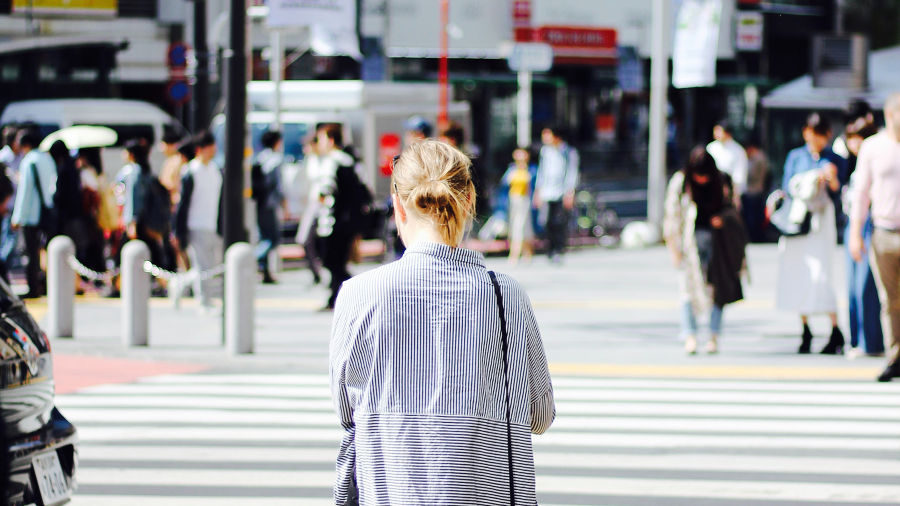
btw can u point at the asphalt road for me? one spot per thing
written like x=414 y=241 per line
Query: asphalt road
x=180 y=422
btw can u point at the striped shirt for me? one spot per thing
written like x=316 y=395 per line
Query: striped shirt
x=417 y=381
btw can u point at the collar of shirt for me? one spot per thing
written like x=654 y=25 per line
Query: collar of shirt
x=444 y=252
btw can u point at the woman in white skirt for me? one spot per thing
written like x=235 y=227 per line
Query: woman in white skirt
x=805 y=266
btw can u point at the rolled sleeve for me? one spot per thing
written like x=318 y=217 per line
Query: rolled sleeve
x=861 y=188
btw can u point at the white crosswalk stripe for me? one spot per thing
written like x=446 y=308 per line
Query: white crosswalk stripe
x=229 y=439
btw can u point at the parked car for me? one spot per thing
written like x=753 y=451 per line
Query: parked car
x=40 y=455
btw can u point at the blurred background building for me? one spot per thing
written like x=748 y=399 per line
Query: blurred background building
x=597 y=88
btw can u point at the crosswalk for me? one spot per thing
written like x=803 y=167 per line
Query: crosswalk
x=271 y=439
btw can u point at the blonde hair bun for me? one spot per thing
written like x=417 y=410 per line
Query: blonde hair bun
x=436 y=179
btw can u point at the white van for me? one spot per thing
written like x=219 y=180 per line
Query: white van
x=370 y=113
x=129 y=118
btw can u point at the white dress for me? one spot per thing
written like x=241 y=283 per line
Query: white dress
x=805 y=266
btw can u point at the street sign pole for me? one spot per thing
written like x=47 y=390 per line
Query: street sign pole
x=659 y=86
x=523 y=113
x=524 y=59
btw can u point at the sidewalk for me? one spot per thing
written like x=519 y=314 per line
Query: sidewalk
x=611 y=312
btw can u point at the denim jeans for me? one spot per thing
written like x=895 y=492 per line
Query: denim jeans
x=689 y=320
x=865 y=308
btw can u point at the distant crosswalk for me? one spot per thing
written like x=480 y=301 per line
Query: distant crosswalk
x=229 y=439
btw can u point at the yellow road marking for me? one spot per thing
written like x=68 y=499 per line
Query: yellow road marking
x=713 y=371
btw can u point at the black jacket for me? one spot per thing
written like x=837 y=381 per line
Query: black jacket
x=724 y=271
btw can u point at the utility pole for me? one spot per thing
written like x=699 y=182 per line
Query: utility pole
x=235 y=124
x=200 y=120
x=839 y=16
x=443 y=74
x=276 y=73
x=659 y=88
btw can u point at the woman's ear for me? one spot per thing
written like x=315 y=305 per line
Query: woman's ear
x=399 y=211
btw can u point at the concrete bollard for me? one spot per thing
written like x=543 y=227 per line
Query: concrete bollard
x=60 y=288
x=135 y=294
x=240 y=295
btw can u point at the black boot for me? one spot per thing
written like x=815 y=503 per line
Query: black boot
x=835 y=344
x=806 y=342
x=267 y=278
x=892 y=371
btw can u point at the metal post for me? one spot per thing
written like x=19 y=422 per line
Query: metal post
x=235 y=124
x=659 y=87
x=201 y=53
x=60 y=288
x=240 y=290
x=524 y=110
x=276 y=73
x=135 y=294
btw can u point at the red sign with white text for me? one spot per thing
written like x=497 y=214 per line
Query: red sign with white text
x=573 y=44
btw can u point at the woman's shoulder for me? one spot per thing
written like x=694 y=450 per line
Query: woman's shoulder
x=796 y=153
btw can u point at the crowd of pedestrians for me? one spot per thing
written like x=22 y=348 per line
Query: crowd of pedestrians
x=847 y=186
x=66 y=191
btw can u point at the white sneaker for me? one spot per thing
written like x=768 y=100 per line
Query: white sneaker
x=690 y=345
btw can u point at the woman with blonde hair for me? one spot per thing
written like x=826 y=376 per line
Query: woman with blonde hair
x=438 y=373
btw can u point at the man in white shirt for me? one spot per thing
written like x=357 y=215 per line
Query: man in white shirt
x=557 y=177
x=37 y=183
x=197 y=219
x=730 y=157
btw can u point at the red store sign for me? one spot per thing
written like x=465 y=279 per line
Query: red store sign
x=572 y=44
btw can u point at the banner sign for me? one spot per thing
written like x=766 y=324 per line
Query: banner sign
x=103 y=8
x=332 y=23
x=696 y=43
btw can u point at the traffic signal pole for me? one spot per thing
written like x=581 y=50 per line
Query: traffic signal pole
x=200 y=118
x=235 y=124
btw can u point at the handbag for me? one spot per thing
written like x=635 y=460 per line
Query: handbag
x=48 y=221
x=505 y=350
x=780 y=217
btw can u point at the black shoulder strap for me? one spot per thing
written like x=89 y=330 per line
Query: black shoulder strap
x=505 y=349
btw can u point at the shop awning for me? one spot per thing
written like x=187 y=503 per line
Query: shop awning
x=884 y=79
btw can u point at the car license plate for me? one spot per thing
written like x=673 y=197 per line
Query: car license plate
x=50 y=478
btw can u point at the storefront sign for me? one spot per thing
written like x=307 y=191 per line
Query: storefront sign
x=749 y=33
x=104 y=8
x=573 y=44
x=696 y=41
x=522 y=20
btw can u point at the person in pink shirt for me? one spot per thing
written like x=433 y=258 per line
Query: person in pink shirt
x=878 y=188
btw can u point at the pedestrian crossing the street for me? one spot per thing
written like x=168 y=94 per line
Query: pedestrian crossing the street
x=229 y=439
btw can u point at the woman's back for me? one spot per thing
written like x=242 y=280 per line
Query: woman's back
x=417 y=373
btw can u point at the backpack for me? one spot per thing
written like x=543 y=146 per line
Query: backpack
x=48 y=219
x=156 y=211
x=258 y=183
